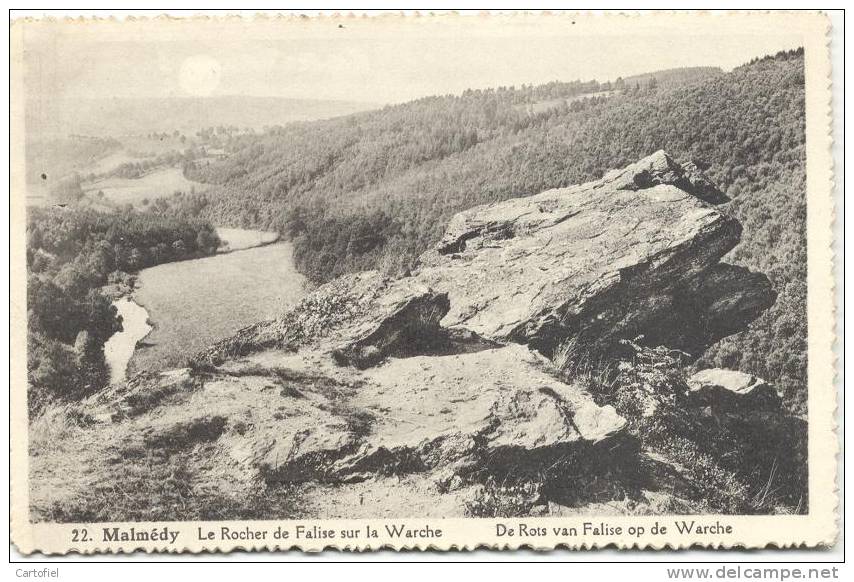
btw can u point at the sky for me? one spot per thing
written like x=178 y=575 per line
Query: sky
x=374 y=61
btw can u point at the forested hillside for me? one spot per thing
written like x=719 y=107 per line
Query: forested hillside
x=674 y=78
x=375 y=189
x=73 y=252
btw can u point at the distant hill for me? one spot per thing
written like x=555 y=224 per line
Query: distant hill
x=673 y=78
x=376 y=189
x=66 y=136
x=122 y=116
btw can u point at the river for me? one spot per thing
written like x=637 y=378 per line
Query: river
x=193 y=303
x=119 y=349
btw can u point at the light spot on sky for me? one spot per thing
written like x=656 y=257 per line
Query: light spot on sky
x=376 y=61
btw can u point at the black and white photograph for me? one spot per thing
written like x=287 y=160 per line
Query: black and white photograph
x=491 y=269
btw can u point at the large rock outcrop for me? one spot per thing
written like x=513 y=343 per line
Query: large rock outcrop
x=358 y=320
x=635 y=253
x=479 y=411
x=300 y=419
x=425 y=372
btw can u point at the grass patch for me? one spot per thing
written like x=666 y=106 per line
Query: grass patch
x=504 y=500
x=158 y=183
x=152 y=487
x=53 y=427
x=579 y=364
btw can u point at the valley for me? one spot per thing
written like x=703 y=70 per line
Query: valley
x=453 y=306
x=183 y=326
x=458 y=386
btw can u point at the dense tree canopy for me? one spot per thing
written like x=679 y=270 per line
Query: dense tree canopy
x=71 y=253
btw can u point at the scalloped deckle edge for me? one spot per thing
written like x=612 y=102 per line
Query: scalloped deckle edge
x=819 y=528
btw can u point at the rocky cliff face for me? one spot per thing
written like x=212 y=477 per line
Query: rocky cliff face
x=435 y=387
x=635 y=253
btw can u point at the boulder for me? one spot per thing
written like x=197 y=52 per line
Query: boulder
x=732 y=391
x=140 y=394
x=482 y=411
x=659 y=168
x=477 y=406
x=728 y=299
x=359 y=319
x=635 y=253
x=430 y=373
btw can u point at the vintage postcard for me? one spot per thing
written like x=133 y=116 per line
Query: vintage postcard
x=445 y=281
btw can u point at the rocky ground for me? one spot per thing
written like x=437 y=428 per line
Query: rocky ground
x=536 y=363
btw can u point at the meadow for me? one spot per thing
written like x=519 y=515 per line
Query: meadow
x=136 y=191
x=194 y=303
x=238 y=239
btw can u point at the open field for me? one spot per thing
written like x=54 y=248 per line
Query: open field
x=238 y=239
x=111 y=162
x=157 y=184
x=194 y=303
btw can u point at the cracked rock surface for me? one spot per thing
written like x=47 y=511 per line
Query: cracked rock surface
x=635 y=253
